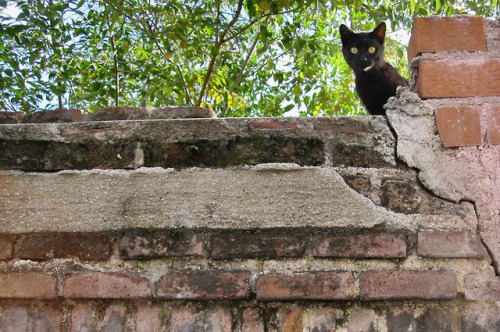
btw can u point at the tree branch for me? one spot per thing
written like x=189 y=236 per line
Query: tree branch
x=216 y=52
x=242 y=70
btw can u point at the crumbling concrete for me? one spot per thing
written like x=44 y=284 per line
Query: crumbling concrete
x=462 y=174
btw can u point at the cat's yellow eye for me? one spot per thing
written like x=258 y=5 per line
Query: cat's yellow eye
x=371 y=50
x=354 y=50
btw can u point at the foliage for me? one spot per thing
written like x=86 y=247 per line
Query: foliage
x=239 y=57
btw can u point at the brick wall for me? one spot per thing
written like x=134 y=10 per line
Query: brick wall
x=148 y=223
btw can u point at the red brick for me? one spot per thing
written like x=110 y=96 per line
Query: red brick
x=263 y=244
x=27 y=286
x=435 y=34
x=289 y=319
x=272 y=125
x=95 y=285
x=6 y=247
x=148 y=318
x=43 y=246
x=408 y=285
x=205 y=285
x=188 y=319
x=450 y=244
x=253 y=320
x=454 y=78
x=381 y=245
x=165 y=244
x=494 y=127
x=306 y=286
x=459 y=126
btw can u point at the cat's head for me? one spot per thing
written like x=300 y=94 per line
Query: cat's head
x=365 y=50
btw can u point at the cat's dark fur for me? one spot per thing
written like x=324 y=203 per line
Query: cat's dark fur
x=376 y=80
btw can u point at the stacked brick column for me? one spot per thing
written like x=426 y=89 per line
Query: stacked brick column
x=457 y=63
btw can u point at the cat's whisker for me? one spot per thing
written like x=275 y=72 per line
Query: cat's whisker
x=369 y=68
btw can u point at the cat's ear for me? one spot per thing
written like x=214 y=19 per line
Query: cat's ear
x=379 y=32
x=345 y=34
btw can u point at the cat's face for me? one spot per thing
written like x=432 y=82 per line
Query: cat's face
x=365 y=50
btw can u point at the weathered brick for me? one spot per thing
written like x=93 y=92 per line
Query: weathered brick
x=204 y=285
x=6 y=247
x=481 y=317
x=82 y=318
x=373 y=245
x=95 y=285
x=406 y=285
x=253 y=320
x=43 y=246
x=321 y=319
x=358 y=155
x=60 y=115
x=362 y=320
x=154 y=244
x=306 y=286
x=435 y=34
x=450 y=244
x=142 y=113
x=454 y=78
x=480 y=287
x=272 y=125
x=289 y=319
x=459 y=126
x=30 y=318
x=11 y=117
x=360 y=183
x=433 y=319
x=148 y=318
x=261 y=244
x=188 y=319
x=27 y=286
x=406 y=195
x=494 y=127
x=85 y=317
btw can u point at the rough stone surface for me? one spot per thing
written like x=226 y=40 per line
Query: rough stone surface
x=264 y=196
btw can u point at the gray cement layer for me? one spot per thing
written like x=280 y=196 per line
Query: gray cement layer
x=465 y=173
x=262 y=196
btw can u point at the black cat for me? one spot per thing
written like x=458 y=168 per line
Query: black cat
x=376 y=80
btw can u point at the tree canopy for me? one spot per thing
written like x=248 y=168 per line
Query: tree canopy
x=239 y=57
